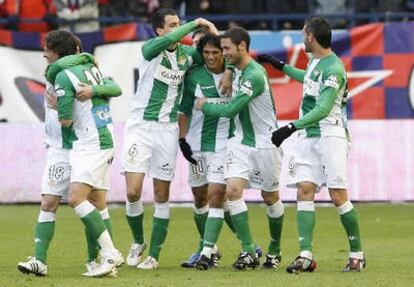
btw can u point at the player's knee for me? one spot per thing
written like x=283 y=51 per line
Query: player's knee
x=49 y=205
x=74 y=200
x=270 y=198
x=216 y=200
x=306 y=190
x=133 y=194
x=233 y=193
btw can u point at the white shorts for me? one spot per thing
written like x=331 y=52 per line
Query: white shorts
x=322 y=161
x=209 y=168
x=150 y=147
x=91 y=167
x=259 y=166
x=56 y=174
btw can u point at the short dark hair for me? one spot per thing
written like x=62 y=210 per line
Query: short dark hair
x=237 y=35
x=61 y=42
x=209 y=38
x=320 y=29
x=78 y=42
x=158 y=18
x=201 y=31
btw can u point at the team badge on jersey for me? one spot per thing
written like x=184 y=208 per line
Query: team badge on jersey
x=332 y=82
x=246 y=88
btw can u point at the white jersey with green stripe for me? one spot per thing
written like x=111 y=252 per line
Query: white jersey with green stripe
x=205 y=133
x=251 y=106
x=92 y=120
x=323 y=108
x=53 y=128
x=161 y=76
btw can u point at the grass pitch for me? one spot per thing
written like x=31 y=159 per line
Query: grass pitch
x=387 y=230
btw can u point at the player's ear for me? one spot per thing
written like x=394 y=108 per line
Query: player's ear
x=159 y=31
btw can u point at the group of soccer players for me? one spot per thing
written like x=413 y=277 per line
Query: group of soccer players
x=214 y=102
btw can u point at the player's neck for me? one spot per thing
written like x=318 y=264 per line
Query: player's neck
x=243 y=62
x=217 y=70
x=320 y=53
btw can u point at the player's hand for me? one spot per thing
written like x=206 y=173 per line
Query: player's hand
x=203 y=23
x=275 y=62
x=84 y=92
x=51 y=99
x=283 y=133
x=200 y=102
x=225 y=84
x=186 y=150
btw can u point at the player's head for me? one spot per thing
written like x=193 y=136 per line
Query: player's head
x=235 y=44
x=165 y=20
x=316 y=32
x=78 y=43
x=59 y=44
x=197 y=35
x=209 y=48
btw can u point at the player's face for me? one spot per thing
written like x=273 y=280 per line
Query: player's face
x=307 y=40
x=50 y=55
x=172 y=22
x=213 y=57
x=230 y=51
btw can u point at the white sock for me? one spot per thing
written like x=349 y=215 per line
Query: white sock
x=162 y=210
x=306 y=206
x=104 y=214
x=345 y=208
x=84 y=208
x=201 y=210
x=276 y=210
x=216 y=213
x=46 y=216
x=134 y=208
x=237 y=206
x=106 y=244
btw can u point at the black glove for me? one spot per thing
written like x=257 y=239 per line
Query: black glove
x=265 y=58
x=283 y=133
x=186 y=150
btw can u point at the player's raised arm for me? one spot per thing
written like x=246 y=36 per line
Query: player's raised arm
x=155 y=46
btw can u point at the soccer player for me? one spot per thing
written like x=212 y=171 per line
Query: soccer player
x=321 y=146
x=87 y=131
x=207 y=138
x=251 y=158
x=55 y=182
x=151 y=133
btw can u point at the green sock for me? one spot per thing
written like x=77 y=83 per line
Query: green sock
x=93 y=247
x=212 y=231
x=200 y=221
x=158 y=236
x=350 y=222
x=305 y=221
x=241 y=225
x=229 y=222
x=94 y=224
x=275 y=228
x=43 y=235
x=135 y=224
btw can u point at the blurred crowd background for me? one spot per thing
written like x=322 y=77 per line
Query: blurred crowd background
x=90 y=15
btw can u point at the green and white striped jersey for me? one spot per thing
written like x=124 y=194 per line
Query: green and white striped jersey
x=92 y=120
x=161 y=76
x=325 y=88
x=205 y=133
x=251 y=106
x=53 y=128
x=57 y=135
